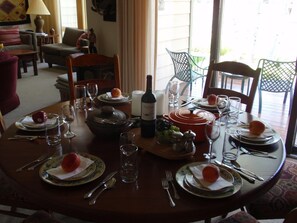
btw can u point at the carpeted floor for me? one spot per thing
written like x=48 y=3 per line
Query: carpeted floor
x=39 y=91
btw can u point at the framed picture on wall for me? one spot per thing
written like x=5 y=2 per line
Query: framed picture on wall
x=13 y=12
x=106 y=8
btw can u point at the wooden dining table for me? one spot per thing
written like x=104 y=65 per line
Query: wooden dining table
x=142 y=201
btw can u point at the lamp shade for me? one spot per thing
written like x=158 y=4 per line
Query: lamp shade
x=37 y=7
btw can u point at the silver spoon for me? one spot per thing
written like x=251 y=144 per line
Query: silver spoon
x=109 y=184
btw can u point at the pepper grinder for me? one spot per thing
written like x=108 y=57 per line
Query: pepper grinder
x=189 y=141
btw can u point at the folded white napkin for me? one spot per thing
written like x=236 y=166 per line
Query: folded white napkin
x=108 y=95
x=28 y=121
x=219 y=184
x=59 y=173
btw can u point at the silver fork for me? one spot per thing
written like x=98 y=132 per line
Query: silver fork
x=165 y=186
x=169 y=178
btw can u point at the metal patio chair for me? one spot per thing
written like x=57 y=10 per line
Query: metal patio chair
x=277 y=77
x=186 y=70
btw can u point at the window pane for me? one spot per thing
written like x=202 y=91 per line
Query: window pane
x=68 y=13
x=254 y=29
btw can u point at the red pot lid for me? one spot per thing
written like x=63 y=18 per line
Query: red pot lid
x=191 y=117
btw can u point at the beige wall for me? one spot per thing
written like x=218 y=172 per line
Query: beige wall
x=106 y=32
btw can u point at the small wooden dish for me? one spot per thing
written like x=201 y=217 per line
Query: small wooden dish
x=162 y=150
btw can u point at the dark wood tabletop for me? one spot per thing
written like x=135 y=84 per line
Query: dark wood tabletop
x=145 y=202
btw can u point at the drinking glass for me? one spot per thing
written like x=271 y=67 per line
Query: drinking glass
x=212 y=132
x=68 y=115
x=92 y=90
x=234 y=109
x=173 y=93
x=222 y=105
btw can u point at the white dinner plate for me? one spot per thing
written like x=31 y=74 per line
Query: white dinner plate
x=264 y=140
x=203 y=103
x=182 y=182
x=19 y=124
x=104 y=98
x=93 y=172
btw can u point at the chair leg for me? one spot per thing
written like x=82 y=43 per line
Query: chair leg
x=285 y=97
x=260 y=102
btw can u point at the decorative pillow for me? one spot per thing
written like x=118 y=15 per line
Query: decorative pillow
x=281 y=198
x=79 y=42
x=10 y=36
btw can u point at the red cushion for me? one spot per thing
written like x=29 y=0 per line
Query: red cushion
x=10 y=36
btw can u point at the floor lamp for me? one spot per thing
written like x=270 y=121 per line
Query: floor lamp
x=38 y=8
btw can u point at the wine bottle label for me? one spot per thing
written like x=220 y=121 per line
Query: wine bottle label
x=148 y=111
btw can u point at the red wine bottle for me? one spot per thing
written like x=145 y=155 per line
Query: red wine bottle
x=148 y=111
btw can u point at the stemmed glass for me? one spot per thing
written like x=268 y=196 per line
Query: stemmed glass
x=173 y=93
x=92 y=90
x=212 y=132
x=68 y=115
x=222 y=105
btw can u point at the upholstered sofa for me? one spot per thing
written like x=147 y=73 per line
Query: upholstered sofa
x=56 y=53
x=15 y=39
x=9 y=99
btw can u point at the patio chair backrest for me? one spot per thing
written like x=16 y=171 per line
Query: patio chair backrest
x=276 y=76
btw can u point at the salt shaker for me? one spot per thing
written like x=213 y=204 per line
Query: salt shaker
x=189 y=137
x=177 y=139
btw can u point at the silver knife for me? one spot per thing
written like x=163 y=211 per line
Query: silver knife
x=244 y=175
x=107 y=178
x=248 y=172
x=42 y=157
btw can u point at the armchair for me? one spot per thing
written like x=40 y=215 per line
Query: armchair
x=58 y=52
x=9 y=99
x=15 y=39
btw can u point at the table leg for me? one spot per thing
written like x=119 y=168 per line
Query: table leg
x=35 y=64
x=19 y=69
x=24 y=63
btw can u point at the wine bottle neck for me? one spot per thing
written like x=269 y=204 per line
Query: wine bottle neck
x=149 y=83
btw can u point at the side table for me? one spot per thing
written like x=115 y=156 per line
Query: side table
x=44 y=39
x=24 y=57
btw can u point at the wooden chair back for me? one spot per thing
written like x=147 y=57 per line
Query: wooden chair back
x=106 y=81
x=233 y=68
x=2 y=124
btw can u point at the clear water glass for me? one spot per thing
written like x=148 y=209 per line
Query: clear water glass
x=173 y=94
x=222 y=105
x=68 y=115
x=92 y=91
x=212 y=132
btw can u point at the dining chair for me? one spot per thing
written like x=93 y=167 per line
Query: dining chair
x=8 y=196
x=2 y=124
x=232 y=67
x=41 y=216
x=100 y=69
x=186 y=69
x=276 y=77
x=244 y=217
x=232 y=77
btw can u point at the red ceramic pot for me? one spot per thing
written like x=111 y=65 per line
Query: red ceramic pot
x=194 y=120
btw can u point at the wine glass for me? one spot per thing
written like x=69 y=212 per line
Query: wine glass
x=212 y=132
x=222 y=105
x=68 y=115
x=173 y=93
x=92 y=90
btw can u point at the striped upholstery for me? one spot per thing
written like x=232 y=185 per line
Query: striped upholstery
x=10 y=36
